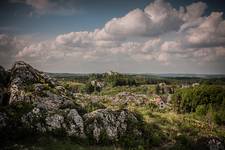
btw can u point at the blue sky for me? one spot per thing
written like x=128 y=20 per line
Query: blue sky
x=88 y=15
x=151 y=36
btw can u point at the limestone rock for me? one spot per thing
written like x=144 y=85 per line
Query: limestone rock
x=67 y=122
x=38 y=87
x=108 y=124
x=17 y=94
x=75 y=123
x=35 y=120
x=22 y=76
x=127 y=97
x=51 y=110
x=22 y=73
x=215 y=144
x=55 y=122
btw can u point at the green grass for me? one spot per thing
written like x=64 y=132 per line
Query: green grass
x=162 y=129
x=143 y=89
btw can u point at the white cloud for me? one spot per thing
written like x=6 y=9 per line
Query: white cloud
x=194 y=11
x=135 y=22
x=158 y=34
x=9 y=46
x=210 y=32
x=157 y=18
x=76 y=39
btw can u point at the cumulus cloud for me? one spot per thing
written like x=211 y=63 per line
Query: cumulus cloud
x=9 y=47
x=159 y=33
x=193 y=11
x=209 y=33
x=75 y=39
x=157 y=18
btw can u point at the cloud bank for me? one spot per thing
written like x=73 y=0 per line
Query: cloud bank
x=159 y=34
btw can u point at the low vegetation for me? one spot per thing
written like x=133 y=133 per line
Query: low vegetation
x=193 y=112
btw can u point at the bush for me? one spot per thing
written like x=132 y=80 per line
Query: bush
x=219 y=117
x=89 y=88
x=201 y=110
x=188 y=99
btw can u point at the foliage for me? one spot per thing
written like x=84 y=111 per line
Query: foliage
x=187 y=99
x=200 y=99
x=89 y=88
x=93 y=106
x=201 y=110
x=74 y=87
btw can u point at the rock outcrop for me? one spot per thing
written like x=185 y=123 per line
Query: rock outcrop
x=22 y=76
x=130 y=98
x=105 y=124
x=41 y=105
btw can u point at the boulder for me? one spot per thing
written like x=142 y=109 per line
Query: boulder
x=17 y=94
x=22 y=76
x=22 y=73
x=75 y=124
x=38 y=87
x=67 y=122
x=125 y=98
x=210 y=143
x=35 y=120
x=215 y=144
x=55 y=122
x=109 y=125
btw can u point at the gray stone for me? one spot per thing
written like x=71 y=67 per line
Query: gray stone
x=76 y=125
x=55 y=122
x=110 y=124
x=38 y=87
x=35 y=120
x=215 y=144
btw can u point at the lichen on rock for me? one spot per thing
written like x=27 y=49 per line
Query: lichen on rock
x=108 y=124
x=50 y=109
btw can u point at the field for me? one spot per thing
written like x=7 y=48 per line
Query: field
x=170 y=129
x=173 y=112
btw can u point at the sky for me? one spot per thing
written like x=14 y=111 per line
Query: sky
x=128 y=36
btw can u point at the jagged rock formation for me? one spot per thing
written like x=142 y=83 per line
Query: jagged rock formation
x=39 y=104
x=23 y=75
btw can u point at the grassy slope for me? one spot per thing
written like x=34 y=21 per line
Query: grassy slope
x=170 y=130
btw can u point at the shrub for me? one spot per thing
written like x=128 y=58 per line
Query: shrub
x=201 y=110
x=219 y=117
x=188 y=99
x=89 y=88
